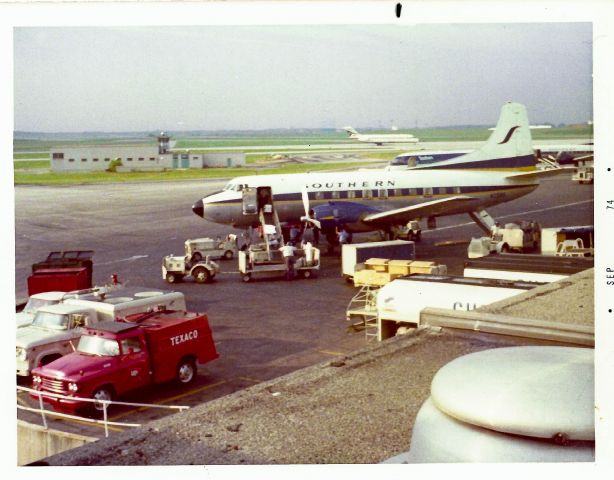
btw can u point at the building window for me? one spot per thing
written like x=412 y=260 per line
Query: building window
x=151 y=159
x=94 y=159
x=129 y=159
x=175 y=156
x=185 y=156
x=107 y=159
x=58 y=156
x=141 y=159
x=71 y=159
x=84 y=159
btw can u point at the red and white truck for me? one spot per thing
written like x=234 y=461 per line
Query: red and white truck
x=114 y=357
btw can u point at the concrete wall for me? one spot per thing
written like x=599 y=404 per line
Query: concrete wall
x=35 y=443
x=98 y=158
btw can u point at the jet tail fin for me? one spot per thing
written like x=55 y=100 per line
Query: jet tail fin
x=509 y=147
x=351 y=131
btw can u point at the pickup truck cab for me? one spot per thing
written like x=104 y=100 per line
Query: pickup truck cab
x=113 y=358
x=36 y=301
x=55 y=326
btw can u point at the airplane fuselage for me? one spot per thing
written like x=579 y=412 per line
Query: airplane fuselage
x=376 y=189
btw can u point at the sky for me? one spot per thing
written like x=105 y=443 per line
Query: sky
x=72 y=79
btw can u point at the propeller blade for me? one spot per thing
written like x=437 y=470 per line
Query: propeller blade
x=307 y=218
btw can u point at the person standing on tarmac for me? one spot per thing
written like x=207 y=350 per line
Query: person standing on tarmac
x=288 y=251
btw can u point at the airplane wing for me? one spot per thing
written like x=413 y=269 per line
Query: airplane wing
x=537 y=174
x=425 y=209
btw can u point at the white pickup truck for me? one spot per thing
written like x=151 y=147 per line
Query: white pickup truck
x=54 y=327
x=36 y=301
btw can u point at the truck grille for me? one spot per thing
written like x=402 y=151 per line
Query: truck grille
x=53 y=385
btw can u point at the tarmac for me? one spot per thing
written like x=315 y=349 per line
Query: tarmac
x=357 y=409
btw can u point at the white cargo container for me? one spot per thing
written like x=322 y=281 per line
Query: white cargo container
x=523 y=267
x=551 y=237
x=354 y=253
x=399 y=303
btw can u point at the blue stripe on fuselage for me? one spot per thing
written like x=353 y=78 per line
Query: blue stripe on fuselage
x=493 y=163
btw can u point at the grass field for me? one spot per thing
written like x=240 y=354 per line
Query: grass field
x=27 y=151
x=51 y=178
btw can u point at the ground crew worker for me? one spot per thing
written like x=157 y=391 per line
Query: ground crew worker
x=288 y=251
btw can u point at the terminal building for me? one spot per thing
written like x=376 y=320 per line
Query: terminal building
x=139 y=158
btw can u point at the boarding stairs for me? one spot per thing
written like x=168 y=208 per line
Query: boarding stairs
x=362 y=311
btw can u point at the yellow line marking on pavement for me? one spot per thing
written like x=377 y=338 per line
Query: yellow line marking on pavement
x=329 y=352
x=166 y=400
x=248 y=379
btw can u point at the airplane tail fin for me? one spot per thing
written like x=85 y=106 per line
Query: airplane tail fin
x=350 y=131
x=509 y=147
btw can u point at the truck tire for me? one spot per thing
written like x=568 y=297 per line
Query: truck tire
x=101 y=393
x=171 y=278
x=196 y=257
x=228 y=255
x=201 y=275
x=246 y=277
x=186 y=371
x=307 y=273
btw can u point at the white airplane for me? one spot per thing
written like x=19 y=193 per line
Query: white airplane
x=381 y=138
x=503 y=169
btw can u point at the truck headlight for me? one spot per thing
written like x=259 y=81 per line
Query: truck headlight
x=73 y=387
x=20 y=353
x=36 y=379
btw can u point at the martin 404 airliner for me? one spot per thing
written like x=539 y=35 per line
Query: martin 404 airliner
x=503 y=169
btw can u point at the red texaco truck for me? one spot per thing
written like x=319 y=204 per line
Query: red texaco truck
x=114 y=357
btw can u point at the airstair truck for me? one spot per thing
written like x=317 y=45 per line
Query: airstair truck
x=113 y=358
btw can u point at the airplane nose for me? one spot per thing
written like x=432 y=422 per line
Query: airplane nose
x=199 y=209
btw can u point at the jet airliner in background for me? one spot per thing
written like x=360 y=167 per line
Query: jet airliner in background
x=381 y=138
x=503 y=169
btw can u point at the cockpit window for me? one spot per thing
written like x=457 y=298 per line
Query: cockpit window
x=234 y=187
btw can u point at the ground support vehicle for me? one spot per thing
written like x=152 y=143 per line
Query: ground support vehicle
x=528 y=268
x=513 y=237
x=62 y=271
x=573 y=248
x=175 y=268
x=113 y=358
x=199 y=248
x=354 y=253
x=411 y=231
x=55 y=328
x=553 y=237
x=35 y=302
x=258 y=260
x=399 y=302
